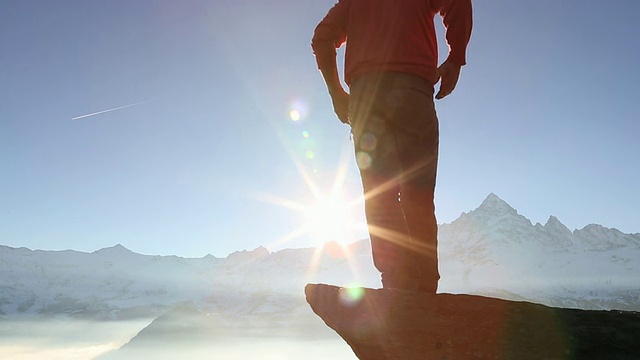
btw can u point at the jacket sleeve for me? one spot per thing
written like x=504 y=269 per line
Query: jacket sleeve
x=330 y=34
x=458 y=20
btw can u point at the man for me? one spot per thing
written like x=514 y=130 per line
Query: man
x=391 y=67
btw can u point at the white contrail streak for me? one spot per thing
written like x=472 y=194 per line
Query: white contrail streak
x=104 y=111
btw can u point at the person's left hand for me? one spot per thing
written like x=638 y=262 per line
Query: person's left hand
x=448 y=74
x=340 y=99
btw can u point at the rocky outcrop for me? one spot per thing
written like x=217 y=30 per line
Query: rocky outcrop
x=395 y=324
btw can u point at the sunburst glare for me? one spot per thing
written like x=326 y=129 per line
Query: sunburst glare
x=329 y=218
x=332 y=218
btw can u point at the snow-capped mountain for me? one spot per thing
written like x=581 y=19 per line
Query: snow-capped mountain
x=491 y=250
x=116 y=283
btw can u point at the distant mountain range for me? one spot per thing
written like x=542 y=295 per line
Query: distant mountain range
x=490 y=250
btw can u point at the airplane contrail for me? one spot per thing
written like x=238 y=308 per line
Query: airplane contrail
x=104 y=111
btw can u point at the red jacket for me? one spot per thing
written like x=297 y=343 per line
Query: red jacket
x=392 y=35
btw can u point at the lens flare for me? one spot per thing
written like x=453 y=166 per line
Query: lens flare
x=298 y=109
x=351 y=296
x=329 y=216
x=368 y=142
x=363 y=159
x=294 y=115
x=310 y=154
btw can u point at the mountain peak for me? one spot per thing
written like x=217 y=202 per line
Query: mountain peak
x=553 y=224
x=115 y=249
x=492 y=203
x=256 y=254
x=553 y=221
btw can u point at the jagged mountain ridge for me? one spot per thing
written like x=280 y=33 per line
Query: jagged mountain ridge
x=496 y=251
x=496 y=233
x=490 y=249
x=498 y=218
x=116 y=283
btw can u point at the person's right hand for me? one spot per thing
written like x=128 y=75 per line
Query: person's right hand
x=340 y=99
x=448 y=74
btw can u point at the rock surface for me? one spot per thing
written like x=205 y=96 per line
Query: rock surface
x=396 y=324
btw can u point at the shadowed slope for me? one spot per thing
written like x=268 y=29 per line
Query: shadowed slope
x=395 y=324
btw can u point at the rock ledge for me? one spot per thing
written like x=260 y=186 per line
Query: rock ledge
x=395 y=324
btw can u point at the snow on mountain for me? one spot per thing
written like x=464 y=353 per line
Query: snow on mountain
x=491 y=250
x=495 y=247
x=115 y=283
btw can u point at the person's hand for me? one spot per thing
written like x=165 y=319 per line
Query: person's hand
x=340 y=99
x=448 y=74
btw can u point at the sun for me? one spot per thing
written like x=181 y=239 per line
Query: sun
x=332 y=214
x=330 y=218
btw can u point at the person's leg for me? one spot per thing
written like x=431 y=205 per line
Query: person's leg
x=380 y=170
x=415 y=124
x=417 y=201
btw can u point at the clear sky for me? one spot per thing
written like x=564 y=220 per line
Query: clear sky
x=208 y=157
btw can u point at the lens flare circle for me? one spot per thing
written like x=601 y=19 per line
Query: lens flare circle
x=298 y=109
x=351 y=296
x=310 y=154
x=294 y=115
x=364 y=160
x=368 y=142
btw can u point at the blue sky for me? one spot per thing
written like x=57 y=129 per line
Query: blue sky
x=545 y=116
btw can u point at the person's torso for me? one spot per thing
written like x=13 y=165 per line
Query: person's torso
x=390 y=35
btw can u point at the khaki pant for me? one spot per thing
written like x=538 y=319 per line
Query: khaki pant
x=395 y=131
